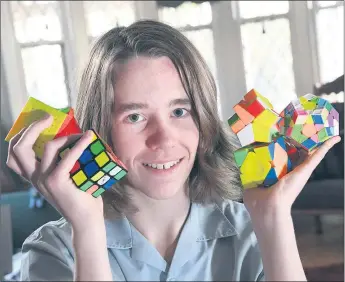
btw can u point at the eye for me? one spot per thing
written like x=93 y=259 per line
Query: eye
x=134 y=118
x=179 y=112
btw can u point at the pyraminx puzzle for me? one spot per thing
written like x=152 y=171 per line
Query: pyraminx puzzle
x=270 y=141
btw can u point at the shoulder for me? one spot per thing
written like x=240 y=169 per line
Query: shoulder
x=48 y=253
x=236 y=213
x=52 y=233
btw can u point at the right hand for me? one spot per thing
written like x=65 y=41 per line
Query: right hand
x=53 y=180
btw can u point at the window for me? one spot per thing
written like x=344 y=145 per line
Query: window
x=38 y=32
x=102 y=16
x=267 y=53
x=195 y=22
x=330 y=38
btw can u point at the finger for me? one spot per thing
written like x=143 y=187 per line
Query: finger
x=49 y=161
x=317 y=156
x=51 y=150
x=11 y=160
x=71 y=157
x=23 y=149
x=30 y=135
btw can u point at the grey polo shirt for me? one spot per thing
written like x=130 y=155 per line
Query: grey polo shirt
x=217 y=242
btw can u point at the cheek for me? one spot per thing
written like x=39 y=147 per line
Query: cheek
x=190 y=133
x=126 y=142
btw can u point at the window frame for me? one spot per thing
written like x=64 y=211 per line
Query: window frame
x=227 y=48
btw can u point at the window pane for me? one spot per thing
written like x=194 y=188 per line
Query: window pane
x=330 y=36
x=252 y=9
x=102 y=16
x=203 y=41
x=44 y=74
x=36 y=20
x=268 y=60
x=187 y=14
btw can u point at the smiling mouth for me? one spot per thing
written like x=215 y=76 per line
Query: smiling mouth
x=163 y=166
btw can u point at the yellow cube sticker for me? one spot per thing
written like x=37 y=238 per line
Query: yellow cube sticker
x=97 y=176
x=79 y=178
x=102 y=159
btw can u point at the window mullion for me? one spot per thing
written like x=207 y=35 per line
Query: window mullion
x=301 y=47
x=263 y=18
x=76 y=45
x=229 y=56
x=40 y=43
x=12 y=62
x=195 y=28
x=313 y=42
x=146 y=10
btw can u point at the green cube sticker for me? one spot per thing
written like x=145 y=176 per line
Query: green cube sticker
x=97 y=147
x=121 y=174
x=98 y=192
x=233 y=119
x=86 y=186
x=109 y=167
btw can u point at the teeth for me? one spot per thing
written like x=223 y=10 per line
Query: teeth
x=163 y=166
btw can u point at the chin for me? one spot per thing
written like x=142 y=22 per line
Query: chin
x=164 y=192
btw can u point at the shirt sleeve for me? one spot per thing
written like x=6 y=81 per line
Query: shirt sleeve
x=47 y=254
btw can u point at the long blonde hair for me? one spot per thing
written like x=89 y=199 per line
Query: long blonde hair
x=214 y=169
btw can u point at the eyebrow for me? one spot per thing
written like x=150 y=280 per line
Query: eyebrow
x=126 y=107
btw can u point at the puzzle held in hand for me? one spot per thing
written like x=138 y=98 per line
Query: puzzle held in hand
x=96 y=170
x=271 y=141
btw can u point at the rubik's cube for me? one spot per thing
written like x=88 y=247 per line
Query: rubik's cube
x=97 y=169
x=272 y=142
x=309 y=121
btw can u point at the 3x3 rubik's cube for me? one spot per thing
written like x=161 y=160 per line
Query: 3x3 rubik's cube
x=271 y=141
x=96 y=170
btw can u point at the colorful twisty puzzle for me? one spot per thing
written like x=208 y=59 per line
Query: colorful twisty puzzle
x=96 y=170
x=270 y=141
x=63 y=124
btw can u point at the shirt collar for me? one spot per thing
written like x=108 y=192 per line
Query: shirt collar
x=205 y=222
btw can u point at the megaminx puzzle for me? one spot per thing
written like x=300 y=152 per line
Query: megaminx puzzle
x=270 y=140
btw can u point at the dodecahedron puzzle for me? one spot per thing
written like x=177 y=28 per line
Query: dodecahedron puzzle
x=97 y=169
x=309 y=121
x=272 y=143
x=254 y=119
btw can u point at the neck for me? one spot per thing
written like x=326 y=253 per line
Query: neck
x=160 y=221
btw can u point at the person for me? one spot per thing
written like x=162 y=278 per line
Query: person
x=178 y=214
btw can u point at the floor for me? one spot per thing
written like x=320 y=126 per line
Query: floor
x=324 y=249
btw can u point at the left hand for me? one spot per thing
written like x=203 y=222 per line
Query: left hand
x=279 y=197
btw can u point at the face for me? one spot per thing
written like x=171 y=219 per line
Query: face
x=153 y=130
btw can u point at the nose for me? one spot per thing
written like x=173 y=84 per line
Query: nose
x=162 y=136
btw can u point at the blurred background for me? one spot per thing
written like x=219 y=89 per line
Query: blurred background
x=284 y=49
